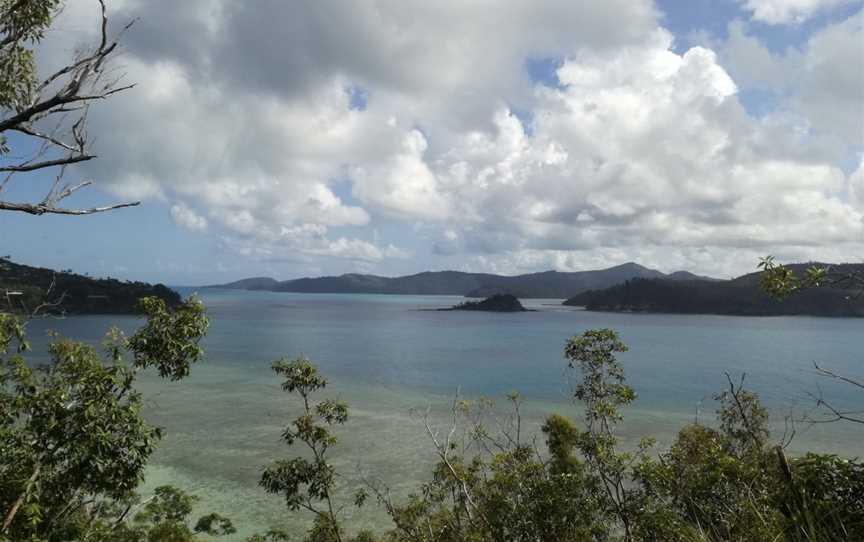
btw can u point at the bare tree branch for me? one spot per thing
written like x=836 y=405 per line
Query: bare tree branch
x=40 y=209
x=836 y=414
x=72 y=88
x=830 y=411
x=47 y=137
x=48 y=302
x=825 y=372
x=735 y=393
x=47 y=163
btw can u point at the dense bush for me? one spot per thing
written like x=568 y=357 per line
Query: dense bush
x=720 y=483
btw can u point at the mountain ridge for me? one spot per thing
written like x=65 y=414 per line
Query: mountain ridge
x=544 y=284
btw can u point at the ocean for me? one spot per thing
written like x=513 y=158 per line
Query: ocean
x=393 y=362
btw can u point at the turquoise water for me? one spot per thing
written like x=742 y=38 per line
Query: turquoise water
x=386 y=357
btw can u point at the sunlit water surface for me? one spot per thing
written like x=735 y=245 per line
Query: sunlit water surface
x=388 y=359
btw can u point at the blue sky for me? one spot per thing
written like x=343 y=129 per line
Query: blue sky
x=295 y=140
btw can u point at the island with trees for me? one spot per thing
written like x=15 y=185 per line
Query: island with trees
x=742 y=296
x=495 y=303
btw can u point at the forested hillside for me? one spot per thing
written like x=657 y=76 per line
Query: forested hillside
x=24 y=288
x=740 y=296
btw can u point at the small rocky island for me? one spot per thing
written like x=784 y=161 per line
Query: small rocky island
x=496 y=303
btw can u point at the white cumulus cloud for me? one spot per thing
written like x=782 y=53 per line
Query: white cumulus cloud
x=640 y=152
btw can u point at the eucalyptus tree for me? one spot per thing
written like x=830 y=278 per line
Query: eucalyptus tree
x=73 y=442
x=309 y=482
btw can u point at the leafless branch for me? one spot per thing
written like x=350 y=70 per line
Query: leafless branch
x=443 y=448
x=834 y=414
x=830 y=411
x=826 y=372
x=734 y=392
x=39 y=209
x=70 y=89
x=49 y=303
x=46 y=137
x=19 y=168
x=789 y=431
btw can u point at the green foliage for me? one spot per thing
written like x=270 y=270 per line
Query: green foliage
x=822 y=498
x=780 y=281
x=22 y=24
x=743 y=420
x=273 y=535
x=602 y=391
x=72 y=428
x=170 y=339
x=705 y=484
x=164 y=517
x=73 y=443
x=11 y=331
x=713 y=484
x=562 y=436
x=511 y=493
x=497 y=488
x=73 y=447
x=602 y=388
x=495 y=303
x=214 y=524
x=169 y=504
x=308 y=483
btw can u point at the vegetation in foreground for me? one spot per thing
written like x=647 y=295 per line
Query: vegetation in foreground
x=73 y=443
x=721 y=483
x=73 y=448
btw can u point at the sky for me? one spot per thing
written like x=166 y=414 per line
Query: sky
x=288 y=139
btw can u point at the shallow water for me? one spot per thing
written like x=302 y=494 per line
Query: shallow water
x=386 y=357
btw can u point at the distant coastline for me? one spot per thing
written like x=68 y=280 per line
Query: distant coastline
x=629 y=288
x=542 y=285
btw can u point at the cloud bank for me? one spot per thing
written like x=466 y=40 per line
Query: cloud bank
x=299 y=128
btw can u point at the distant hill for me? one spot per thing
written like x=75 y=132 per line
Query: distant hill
x=687 y=275
x=555 y=284
x=739 y=296
x=254 y=283
x=23 y=288
x=548 y=284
